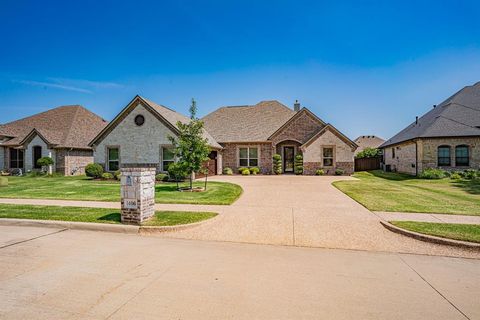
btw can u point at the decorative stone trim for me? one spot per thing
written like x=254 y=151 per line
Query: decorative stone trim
x=137 y=194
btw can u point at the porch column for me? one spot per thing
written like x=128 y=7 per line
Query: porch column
x=219 y=163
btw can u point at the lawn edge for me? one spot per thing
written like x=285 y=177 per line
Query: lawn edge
x=431 y=239
x=163 y=229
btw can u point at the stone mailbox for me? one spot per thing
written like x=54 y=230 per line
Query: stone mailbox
x=138 y=194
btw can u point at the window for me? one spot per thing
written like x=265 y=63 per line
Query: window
x=328 y=157
x=248 y=157
x=461 y=156
x=443 y=156
x=113 y=159
x=393 y=153
x=139 y=120
x=37 y=154
x=167 y=158
x=16 y=158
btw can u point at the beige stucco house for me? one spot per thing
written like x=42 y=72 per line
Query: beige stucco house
x=447 y=137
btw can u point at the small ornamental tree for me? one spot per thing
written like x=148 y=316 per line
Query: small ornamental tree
x=369 y=153
x=277 y=164
x=190 y=148
x=298 y=165
x=45 y=163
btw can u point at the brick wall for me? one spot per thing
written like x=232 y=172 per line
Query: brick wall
x=229 y=156
x=429 y=152
x=405 y=157
x=68 y=160
x=301 y=129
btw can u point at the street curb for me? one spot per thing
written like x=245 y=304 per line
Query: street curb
x=432 y=239
x=162 y=229
x=90 y=226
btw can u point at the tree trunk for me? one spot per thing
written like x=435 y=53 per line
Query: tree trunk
x=191 y=180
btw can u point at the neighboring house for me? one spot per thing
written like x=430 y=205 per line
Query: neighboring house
x=62 y=133
x=364 y=142
x=139 y=135
x=448 y=137
x=251 y=134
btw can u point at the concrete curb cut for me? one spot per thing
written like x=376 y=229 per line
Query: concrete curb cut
x=432 y=239
x=90 y=226
x=161 y=229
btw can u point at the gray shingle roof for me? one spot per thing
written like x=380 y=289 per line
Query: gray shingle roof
x=458 y=116
x=251 y=123
x=66 y=126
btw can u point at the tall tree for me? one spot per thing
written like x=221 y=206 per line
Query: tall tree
x=190 y=147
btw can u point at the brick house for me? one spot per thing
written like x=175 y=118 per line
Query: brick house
x=250 y=136
x=245 y=136
x=61 y=133
x=447 y=137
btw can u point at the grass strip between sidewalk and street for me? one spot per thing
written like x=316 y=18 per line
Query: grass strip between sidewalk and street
x=98 y=215
x=463 y=232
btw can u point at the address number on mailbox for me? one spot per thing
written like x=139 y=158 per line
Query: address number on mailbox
x=130 y=203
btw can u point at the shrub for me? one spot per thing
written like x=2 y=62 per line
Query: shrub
x=254 y=170
x=107 y=176
x=277 y=163
x=241 y=169
x=161 y=177
x=319 y=172
x=369 y=153
x=117 y=175
x=177 y=172
x=45 y=162
x=298 y=164
x=3 y=181
x=339 y=172
x=246 y=172
x=455 y=176
x=94 y=170
x=470 y=174
x=431 y=173
x=228 y=171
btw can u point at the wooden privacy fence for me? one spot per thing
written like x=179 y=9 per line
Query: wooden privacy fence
x=365 y=164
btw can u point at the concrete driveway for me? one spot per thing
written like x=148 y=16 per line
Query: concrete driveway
x=54 y=274
x=303 y=211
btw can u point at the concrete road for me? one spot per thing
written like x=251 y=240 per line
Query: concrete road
x=55 y=274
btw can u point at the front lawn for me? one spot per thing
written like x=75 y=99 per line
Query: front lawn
x=83 y=188
x=382 y=191
x=99 y=215
x=463 y=232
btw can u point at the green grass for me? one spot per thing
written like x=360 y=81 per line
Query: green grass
x=161 y=218
x=381 y=191
x=464 y=232
x=83 y=188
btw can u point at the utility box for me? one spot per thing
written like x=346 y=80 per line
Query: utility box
x=137 y=194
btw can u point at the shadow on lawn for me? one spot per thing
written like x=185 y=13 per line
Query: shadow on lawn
x=391 y=175
x=115 y=216
x=470 y=186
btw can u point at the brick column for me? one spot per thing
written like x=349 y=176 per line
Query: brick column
x=137 y=194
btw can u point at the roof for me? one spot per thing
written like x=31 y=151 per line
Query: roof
x=168 y=116
x=62 y=127
x=458 y=116
x=250 y=123
x=370 y=141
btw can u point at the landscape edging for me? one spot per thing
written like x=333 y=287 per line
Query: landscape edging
x=429 y=238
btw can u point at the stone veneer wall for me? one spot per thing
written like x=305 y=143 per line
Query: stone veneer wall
x=141 y=190
x=428 y=152
x=229 y=155
x=301 y=129
x=28 y=153
x=2 y=158
x=68 y=160
x=405 y=157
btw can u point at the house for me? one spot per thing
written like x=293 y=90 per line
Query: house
x=241 y=136
x=250 y=135
x=61 y=133
x=139 y=135
x=364 y=142
x=447 y=137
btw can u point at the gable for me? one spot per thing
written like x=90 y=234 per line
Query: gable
x=301 y=127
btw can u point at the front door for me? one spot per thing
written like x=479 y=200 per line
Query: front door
x=288 y=158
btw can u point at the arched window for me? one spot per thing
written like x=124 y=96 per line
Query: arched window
x=37 y=154
x=443 y=156
x=462 y=156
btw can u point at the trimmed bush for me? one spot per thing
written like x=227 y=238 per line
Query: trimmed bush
x=161 y=177
x=339 y=172
x=94 y=170
x=228 y=171
x=3 y=181
x=277 y=163
x=241 y=169
x=254 y=170
x=176 y=172
x=298 y=164
x=470 y=174
x=319 y=172
x=431 y=173
x=117 y=175
x=246 y=172
x=107 y=176
x=45 y=162
x=455 y=176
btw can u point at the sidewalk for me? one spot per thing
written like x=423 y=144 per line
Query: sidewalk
x=428 y=217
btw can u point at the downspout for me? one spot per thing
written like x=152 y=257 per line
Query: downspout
x=416 y=157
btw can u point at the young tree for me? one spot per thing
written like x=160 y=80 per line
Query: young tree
x=190 y=148
x=369 y=153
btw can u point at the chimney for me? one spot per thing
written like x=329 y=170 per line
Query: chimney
x=434 y=106
x=416 y=120
x=296 y=106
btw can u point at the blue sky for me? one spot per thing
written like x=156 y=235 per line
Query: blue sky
x=366 y=67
